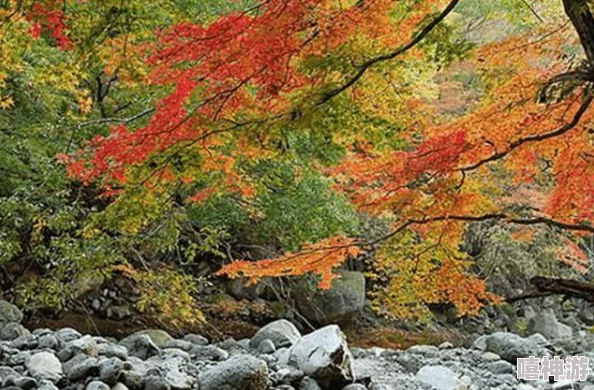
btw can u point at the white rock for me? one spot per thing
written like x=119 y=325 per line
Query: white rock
x=45 y=365
x=490 y=357
x=282 y=333
x=441 y=378
x=323 y=354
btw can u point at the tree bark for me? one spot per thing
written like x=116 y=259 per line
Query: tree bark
x=581 y=17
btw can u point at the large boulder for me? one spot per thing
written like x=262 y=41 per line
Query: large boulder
x=438 y=377
x=511 y=346
x=45 y=366
x=240 y=372
x=547 y=325
x=9 y=313
x=282 y=333
x=323 y=355
x=341 y=302
x=240 y=289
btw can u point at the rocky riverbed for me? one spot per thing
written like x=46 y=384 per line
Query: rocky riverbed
x=277 y=357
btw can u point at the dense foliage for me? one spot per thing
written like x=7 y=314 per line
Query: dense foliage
x=143 y=137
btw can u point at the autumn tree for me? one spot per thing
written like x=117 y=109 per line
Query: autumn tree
x=275 y=113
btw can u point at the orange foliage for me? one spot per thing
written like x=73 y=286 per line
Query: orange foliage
x=321 y=258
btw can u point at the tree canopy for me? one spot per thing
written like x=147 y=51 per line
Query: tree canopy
x=135 y=135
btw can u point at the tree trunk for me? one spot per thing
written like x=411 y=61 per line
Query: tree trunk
x=581 y=17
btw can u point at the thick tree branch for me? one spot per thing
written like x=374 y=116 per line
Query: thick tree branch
x=485 y=217
x=543 y=287
x=418 y=38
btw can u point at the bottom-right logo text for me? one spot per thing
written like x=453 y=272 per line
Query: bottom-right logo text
x=575 y=368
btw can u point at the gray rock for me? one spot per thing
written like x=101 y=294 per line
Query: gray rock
x=539 y=339
x=426 y=350
x=245 y=343
x=209 y=352
x=140 y=346
x=586 y=315
x=85 y=345
x=355 y=386
x=282 y=356
x=196 y=339
x=480 y=343
x=113 y=350
x=282 y=333
x=155 y=382
x=266 y=347
x=501 y=367
x=410 y=362
x=323 y=354
x=179 y=380
x=119 y=386
x=27 y=341
x=381 y=386
x=439 y=377
x=289 y=375
x=133 y=379
x=41 y=331
x=547 y=325
x=16 y=359
x=25 y=383
x=66 y=335
x=566 y=385
x=240 y=289
x=47 y=341
x=511 y=346
x=12 y=330
x=179 y=344
x=97 y=385
x=529 y=313
x=171 y=353
x=45 y=366
x=81 y=366
x=46 y=385
x=159 y=337
x=240 y=372
x=338 y=304
x=308 y=383
x=7 y=372
x=9 y=313
x=232 y=346
x=110 y=370
x=64 y=354
x=490 y=357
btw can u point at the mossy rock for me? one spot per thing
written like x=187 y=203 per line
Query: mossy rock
x=339 y=304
